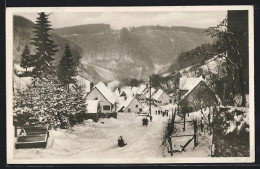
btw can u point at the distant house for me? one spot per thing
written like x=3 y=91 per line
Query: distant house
x=106 y=98
x=126 y=92
x=141 y=89
x=198 y=96
x=93 y=109
x=161 y=98
x=142 y=97
x=147 y=95
x=131 y=105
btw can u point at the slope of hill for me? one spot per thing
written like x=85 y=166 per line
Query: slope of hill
x=22 y=35
x=121 y=54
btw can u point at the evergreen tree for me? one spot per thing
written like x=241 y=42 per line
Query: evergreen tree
x=46 y=103
x=25 y=58
x=67 y=68
x=45 y=47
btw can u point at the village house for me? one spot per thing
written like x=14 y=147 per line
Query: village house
x=161 y=98
x=141 y=89
x=126 y=92
x=105 y=97
x=93 y=110
x=195 y=94
x=131 y=105
x=147 y=96
x=142 y=96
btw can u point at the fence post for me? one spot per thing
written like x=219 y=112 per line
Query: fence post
x=15 y=130
x=201 y=125
x=195 y=132
x=184 y=122
x=170 y=142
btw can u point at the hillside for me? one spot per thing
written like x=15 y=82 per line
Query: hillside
x=109 y=54
x=22 y=35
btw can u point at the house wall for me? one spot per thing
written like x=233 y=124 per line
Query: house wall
x=96 y=95
x=133 y=108
x=163 y=99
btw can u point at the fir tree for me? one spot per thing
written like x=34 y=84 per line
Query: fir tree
x=46 y=103
x=67 y=68
x=45 y=47
x=25 y=58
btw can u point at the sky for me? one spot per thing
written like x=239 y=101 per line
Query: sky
x=117 y=20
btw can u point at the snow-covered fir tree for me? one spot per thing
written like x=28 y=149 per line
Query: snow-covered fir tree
x=67 y=68
x=45 y=47
x=26 y=58
x=47 y=103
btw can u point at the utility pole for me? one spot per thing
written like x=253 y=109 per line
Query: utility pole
x=150 y=95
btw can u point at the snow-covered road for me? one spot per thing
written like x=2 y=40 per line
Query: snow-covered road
x=99 y=140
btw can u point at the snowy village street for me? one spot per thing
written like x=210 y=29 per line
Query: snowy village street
x=99 y=140
x=142 y=86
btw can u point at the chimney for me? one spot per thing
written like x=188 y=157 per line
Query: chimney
x=91 y=85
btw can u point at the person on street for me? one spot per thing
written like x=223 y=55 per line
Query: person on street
x=121 y=142
x=151 y=118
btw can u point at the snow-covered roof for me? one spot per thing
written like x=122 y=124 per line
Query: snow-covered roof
x=166 y=74
x=92 y=106
x=188 y=83
x=127 y=90
x=201 y=81
x=22 y=82
x=106 y=92
x=128 y=101
x=148 y=93
x=157 y=95
x=112 y=85
x=141 y=88
x=134 y=90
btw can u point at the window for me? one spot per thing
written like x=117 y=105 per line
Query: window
x=96 y=98
x=136 y=106
x=106 y=107
x=129 y=110
x=140 y=110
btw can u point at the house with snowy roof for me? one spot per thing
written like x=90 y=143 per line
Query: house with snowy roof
x=195 y=94
x=131 y=105
x=141 y=89
x=161 y=98
x=93 y=109
x=106 y=98
x=147 y=95
x=126 y=92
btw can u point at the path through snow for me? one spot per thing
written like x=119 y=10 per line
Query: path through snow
x=99 y=140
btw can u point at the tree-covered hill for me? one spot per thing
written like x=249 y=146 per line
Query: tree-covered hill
x=121 y=54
